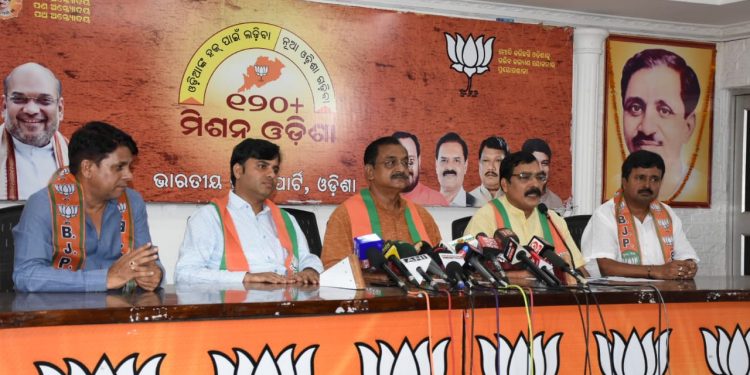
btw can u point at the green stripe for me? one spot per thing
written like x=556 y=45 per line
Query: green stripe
x=223 y=265
x=372 y=212
x=499 y=206
x=415 y=237
x=545 y=227
x=292 y=233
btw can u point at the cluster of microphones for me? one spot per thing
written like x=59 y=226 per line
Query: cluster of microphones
x=461 y=260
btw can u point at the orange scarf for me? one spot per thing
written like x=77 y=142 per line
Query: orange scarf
x=69 y=222
x=627 y=236
x=234 y=257
x=365 y=220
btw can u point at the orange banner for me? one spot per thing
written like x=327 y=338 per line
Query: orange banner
x=191 y=80
x=698 y=337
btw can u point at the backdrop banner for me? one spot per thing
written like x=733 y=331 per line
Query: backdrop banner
x=189 y=80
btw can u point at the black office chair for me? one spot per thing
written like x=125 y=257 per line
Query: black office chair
x=576 y=225
x=9 y=217
x=309 y=226
x=459 y=226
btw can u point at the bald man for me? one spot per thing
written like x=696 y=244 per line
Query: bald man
x=31 y=147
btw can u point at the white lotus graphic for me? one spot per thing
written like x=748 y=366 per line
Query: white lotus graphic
x=514 y=359
x=727 y=355
x=104 y=367
x=267 y=364
x=635 y=355
x=407 y=361
x=470 y=56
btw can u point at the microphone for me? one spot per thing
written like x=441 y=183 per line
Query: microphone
x=434 y=267
x=547 y=252
x=377 y=260
x=491 y=250
x=517 y=254
x=390 y=252
x=474 y=257
x=456 y=272
x=362 y=243
x=545 y=211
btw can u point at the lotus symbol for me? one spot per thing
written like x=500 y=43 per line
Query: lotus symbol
x=122 y=207
x=68 y=211
x=635 y=355
x=406 y=361
x=65 y=189
x=267 y=364
x=104 y=367
x=514 y=359
x=727 y=355
x=261 y=71
x=470 y=56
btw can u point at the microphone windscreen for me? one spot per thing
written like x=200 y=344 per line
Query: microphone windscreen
x=405 y=249
x=375 y=257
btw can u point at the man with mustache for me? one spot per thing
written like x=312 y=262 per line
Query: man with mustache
x=635 y=235
x=31 y=147
x=660 y=94
x=543 y=154
x=379 y=208
x=87 y=231
x=522 y=181
x=492 y=151
x=451 y=162
x=416 y=191
x=243 y=237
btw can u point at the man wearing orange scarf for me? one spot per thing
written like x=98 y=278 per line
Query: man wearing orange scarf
x=243 y=237
x=635 y=235
x=379 y=208
x=87 y=231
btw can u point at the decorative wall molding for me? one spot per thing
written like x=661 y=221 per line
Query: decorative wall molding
x=524 y=14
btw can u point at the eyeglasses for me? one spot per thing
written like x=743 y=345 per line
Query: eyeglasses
x=42 y=100
x=391 y=163
x=526 y=176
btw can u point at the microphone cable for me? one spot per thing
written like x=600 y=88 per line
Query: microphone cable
x=662 y=305
x=450 y=331
x=585 y=324
x=528 y=308
x=426 y=296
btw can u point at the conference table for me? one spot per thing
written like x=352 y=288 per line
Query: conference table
x=612 y=327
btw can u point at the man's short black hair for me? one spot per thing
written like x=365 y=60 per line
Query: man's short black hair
x=371 y=152
x=94 y=141
x=512 y=161
x=495 y=143
x=452 y=137
x=403 y=134
x=260 y=149
x=642 y=159
x=690 y=89
x=537 y=145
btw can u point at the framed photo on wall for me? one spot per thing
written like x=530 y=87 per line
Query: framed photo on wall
x=659 y=97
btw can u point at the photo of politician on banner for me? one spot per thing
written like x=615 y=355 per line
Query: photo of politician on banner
x=659 y=97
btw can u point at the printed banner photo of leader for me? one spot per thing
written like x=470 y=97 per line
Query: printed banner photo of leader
x=659 y=97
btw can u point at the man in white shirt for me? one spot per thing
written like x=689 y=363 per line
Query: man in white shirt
x=243 y=237
x=451 y=163
x=635 y=235
x=492 y=151
x=31 y=147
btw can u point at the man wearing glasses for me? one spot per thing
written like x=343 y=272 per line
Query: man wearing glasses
x=379 y=208
x=522 y=181
x=31 y=147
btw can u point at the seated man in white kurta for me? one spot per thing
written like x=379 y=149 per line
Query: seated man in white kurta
x=635 y=235
x=243 y=237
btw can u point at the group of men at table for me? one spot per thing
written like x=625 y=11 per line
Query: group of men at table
x=87 y=230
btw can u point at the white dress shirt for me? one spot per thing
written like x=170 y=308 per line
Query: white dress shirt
x=599 y=239
x=34 y=165
x=203 y=245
